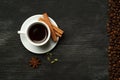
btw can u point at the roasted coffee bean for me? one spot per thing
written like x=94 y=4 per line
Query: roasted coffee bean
x=113 y=30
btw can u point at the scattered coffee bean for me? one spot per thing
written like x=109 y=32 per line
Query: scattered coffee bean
x=113 y=29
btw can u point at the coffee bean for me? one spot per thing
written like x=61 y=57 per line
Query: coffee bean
x=113 y=30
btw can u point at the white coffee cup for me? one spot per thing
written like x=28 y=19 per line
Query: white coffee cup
x=28 y=37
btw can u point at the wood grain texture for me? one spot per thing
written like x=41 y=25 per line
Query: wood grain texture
x=81 y=51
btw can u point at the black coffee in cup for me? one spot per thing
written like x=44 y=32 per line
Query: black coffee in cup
x=38 y=32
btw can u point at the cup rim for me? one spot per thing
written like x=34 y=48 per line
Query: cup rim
x=45 y=41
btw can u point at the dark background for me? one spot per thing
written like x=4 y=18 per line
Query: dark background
x=81 y=51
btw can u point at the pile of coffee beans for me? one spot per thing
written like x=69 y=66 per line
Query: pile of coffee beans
x=113 y=29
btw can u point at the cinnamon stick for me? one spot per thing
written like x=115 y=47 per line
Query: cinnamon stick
x=58 y=31
x=59 y=35
x=54 y=37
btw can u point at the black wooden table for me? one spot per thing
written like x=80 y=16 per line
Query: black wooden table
x=81 y=51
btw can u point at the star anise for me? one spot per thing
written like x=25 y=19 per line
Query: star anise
x=34 y=62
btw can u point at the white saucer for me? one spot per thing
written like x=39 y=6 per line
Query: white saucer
x=35 y=49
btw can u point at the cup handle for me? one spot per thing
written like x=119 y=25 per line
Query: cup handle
x=20 y=32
